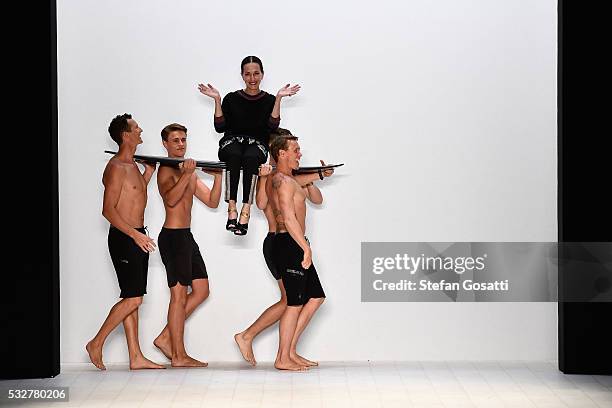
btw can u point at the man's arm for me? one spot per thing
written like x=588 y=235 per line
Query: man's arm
x=148 y=171
x=313 y=193
x=286 y=190
x=172 y=193
x=113 y=182
x=208 y=196
x=304 y=179
x=261 y=198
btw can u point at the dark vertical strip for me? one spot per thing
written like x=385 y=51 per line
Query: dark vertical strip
x=560 y=191
x=585 y=208
x=30 y=269
x=54 y=171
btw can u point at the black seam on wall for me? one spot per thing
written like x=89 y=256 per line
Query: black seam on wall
x=55 y=363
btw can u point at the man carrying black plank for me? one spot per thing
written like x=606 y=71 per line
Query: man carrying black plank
x=125 y=199
x=292 y=253
x=179 y=251
x=273 y=313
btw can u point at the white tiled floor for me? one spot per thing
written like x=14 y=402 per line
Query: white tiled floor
x=333 y=384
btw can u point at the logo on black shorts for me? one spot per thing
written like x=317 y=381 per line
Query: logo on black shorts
x=294 y=272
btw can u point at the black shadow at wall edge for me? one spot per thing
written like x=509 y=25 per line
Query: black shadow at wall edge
x=585 y=170
x=31 y=318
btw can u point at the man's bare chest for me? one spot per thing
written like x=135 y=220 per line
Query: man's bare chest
x=134 y=182
x=191 y=186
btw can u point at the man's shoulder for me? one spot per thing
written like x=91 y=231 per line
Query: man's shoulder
x=279 y=179
x=165 y=172
x=115 y=170
x=276 y=175
x=115 y=165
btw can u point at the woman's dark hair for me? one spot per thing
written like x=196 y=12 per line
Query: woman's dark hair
x=250 y=59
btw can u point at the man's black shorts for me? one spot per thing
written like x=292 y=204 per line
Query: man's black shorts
x=268 y=253
x=130 y=262
x=181 y=256
x=300 y=284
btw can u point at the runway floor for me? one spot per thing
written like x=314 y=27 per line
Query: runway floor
x=333 y=384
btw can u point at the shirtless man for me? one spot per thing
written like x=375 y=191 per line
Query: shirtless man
x=125 y=198
x=179 y=251
x=273 y=313
x=292 y=253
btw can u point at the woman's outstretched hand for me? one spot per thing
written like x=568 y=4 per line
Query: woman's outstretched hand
x=288 y=90
x=209 y=91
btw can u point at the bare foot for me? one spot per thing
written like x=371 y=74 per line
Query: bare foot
x=95 y=355
x=186 y=361
x=246 y=348
x=143 y=363
x=289 y=365
x=303 y=361
x=163 y=344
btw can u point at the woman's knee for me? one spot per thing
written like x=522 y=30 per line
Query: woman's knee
x=251 y=166
x=253 y=155
x=230 y=155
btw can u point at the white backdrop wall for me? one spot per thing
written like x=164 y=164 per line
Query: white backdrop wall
x=443 y=111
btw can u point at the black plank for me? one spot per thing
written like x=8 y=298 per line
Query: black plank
x=214 y=165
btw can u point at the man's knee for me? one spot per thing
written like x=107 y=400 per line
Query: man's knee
x=200 y=295
x=283 y=301
x=318 y=301
x=134 y=302
x=178 y=301
x=178 y=294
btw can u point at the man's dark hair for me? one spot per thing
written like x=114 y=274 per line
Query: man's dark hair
x=171 y=128
x=119 y=125
x=280 y=132
x=279 y=140
x=248 y=60
x=277 y=133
